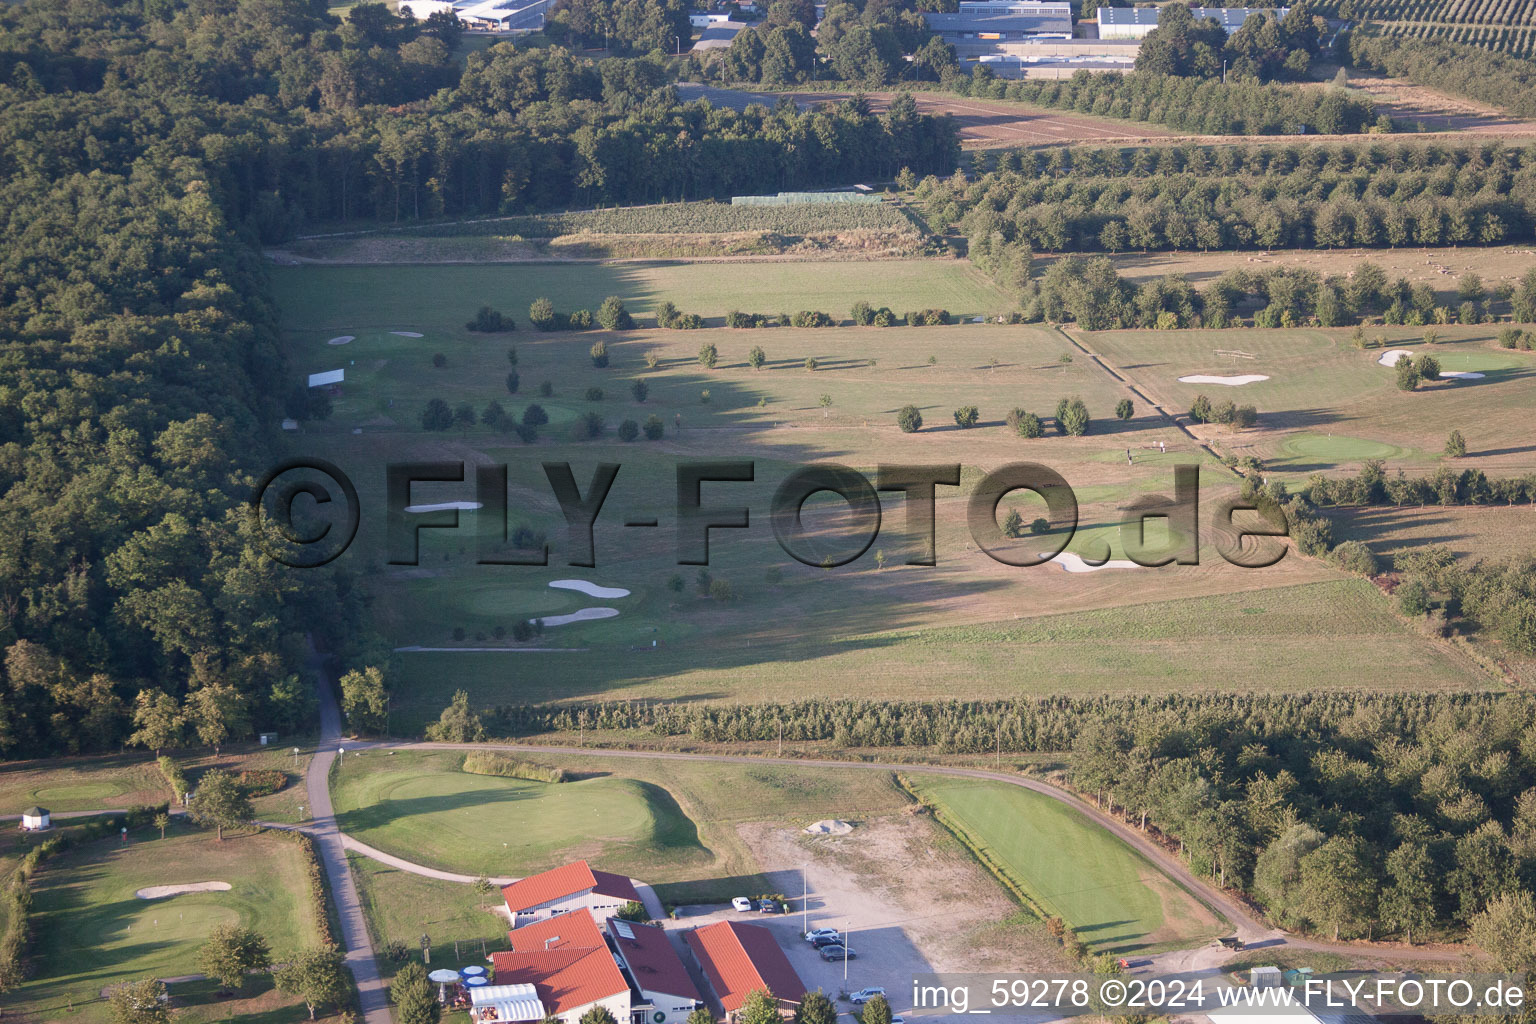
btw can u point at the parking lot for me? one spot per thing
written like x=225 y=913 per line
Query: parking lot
x=865 y=885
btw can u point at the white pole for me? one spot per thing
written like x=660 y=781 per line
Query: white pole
x=847 y=934
x=805 y=906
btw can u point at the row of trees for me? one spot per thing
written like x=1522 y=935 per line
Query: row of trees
x=1128 y=205
x=1197 y=105
x=1091 y=292
x=1498 y=79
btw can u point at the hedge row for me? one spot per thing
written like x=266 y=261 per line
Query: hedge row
x=484 y=762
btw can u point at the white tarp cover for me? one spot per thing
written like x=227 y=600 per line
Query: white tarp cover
x=328 y=377
x=508 y=1002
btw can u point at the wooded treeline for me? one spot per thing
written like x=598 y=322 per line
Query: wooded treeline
x=289 y=117
x=1198 y=105
x=1369 y=813
x=1262 y=197
x=1498 y=79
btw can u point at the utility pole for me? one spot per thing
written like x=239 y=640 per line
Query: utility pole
x=847 y=935
x=805 y=902
x=781 y=737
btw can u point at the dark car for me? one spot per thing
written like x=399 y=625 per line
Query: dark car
x=767 y=907
x=838 y=953
x=823 y=941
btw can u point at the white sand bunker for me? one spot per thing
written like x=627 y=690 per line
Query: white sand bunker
x=443 y=505
x=405 y=334
x=1231 y=382
x=829 y=827
x=1073 y=562
x=583 y=615
x=590 y=589
x=1391 y=358
x=160 y=892
x=342 y=339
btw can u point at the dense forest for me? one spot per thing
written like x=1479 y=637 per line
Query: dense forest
x=302 y=119
x=145 y=149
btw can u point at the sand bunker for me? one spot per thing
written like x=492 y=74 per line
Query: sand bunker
x=583 y=615
x=405 y=334
x=1391 y=358
x=160 y=892
x=1231 y=382
x=590 y=589
x=1073 y=562
x=342 y=339
x=829 y=827
x=442 y=505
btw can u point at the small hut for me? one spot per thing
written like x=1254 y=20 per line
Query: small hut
x=35 y=819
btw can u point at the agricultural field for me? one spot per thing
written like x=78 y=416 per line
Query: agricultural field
x=877 y=620
x=866 y=230
x=1115 y=901
x=672 y=824
x=91 y=931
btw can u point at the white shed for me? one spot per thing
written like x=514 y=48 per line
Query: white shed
x=1264 y=977
x=35 y=819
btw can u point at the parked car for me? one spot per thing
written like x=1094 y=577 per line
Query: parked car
x=817 y=933
x=742 y=904
x=767 y=906
x=823 y=941
x=864 y=995
x=839 y=953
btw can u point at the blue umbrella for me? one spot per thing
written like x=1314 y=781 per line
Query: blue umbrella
x=472 y=971
x=476 y=981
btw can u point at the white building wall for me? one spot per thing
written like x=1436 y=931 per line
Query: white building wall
x=601 y=908
x=672 y=1008
x=617 y=1005
x=424 y=9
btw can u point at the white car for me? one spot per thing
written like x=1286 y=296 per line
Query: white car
x=820 y=933
x=742 y=904
x=864 y=995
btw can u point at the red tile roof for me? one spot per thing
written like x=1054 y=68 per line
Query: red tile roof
x=566 y=880
x=739 y=958
x=653 y=962
x=565 y=959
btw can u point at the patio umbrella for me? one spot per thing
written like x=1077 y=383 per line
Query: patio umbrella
x=443 y=976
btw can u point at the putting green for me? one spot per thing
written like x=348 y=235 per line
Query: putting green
x=1069 y=867
x=504 y=603
x=478 y=823
x=78 y=791
x=1339 y=448
x=185 y=918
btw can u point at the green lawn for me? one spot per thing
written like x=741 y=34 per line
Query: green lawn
x=1113 y=899
x=672 y=824
x=420 y=806
x=401 y=907
x=385 y=298
x=91 y=931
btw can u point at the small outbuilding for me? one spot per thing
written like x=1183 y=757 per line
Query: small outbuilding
x=35 y=819
x=1264 y=977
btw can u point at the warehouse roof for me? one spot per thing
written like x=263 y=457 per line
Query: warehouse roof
x=739 y=959
x=1230 y=18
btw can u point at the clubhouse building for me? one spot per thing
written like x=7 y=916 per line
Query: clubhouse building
x=574 y=886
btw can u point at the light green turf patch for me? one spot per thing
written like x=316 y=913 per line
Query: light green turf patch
x=1339 y=448
x=1069 y=867
x=408 y=805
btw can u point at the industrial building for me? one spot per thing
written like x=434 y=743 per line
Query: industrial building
x=988 y=21
x=1138 y=22
x=493 y=15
